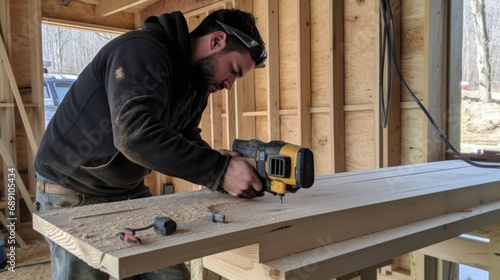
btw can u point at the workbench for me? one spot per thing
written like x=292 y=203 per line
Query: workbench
x=345 y=222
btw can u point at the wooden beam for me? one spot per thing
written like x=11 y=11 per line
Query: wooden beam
x=388 y=138
x=273 y=70
x=494 y=254
x=304 y=72
x=83 y=26
x=109 y=7
x=7 y=126
x=460 y=250
x=36 y=66
x=199 y=272
x=448 y=198
x=455 y=23
x=244 y=94
x=19 y=184
x=337 y=117
x=94 y=2
x=205 y=9
x=435 y=81
x=17 y=96
x=335 y=259
x=5 y=223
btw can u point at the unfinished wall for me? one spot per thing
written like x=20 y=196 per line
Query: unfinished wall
x=319 y=89
x=294 y=97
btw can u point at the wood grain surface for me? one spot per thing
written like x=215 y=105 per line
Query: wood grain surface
x=337 y=207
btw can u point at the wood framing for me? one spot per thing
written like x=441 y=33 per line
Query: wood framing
x=388 y=138
x=336 y=259
x=273 y=70
x=304 y=72
x=455 y=24
x=319 y=87
x=336 y=86
x=436 y=65
x=442 y=200
x=461 y=250
x=17 y=96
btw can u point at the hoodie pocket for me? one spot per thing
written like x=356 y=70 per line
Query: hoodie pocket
x=118 y=172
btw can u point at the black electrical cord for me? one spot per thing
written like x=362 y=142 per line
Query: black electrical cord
x=387 y=38
x=388 y=30
x=140 y=229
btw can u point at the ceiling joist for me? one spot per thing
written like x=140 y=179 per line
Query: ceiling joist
x=106 y=8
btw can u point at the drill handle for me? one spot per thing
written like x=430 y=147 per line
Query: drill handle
x=247 y=148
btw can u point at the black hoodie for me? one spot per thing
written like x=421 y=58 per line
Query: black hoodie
x=132 y=110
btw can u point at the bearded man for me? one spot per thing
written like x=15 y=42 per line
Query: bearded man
x=137 y=107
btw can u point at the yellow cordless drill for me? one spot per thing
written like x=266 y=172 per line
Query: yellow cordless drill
x=282 y=167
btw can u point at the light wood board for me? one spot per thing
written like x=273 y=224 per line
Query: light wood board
x=338 y=207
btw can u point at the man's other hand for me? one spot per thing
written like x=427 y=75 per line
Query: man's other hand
x=241 y=179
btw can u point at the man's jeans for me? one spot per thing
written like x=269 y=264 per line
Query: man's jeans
x=67 y=266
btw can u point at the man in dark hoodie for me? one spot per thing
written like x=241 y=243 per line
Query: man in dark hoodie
x=137 y=107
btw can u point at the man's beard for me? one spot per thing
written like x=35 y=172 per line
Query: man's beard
x=204 y=72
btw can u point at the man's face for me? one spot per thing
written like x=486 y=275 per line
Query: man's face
x=220 y=70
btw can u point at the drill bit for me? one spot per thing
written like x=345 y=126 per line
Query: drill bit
x=281 y=198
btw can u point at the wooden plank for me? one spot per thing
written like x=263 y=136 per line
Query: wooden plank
x=109 y=7
x=388 y=138
x=5 y=222
x=198 y=272
x=421 y=192
x=37 y=116
x=494 y=254
x=206 y=9
x=455 y=23
x=435 y=82
x=6 y=99
x=460 y=250
x=17 y=96
x=85 y=13
x=392 y=134
x=337 y=87
x=83 y=25
x=242 y=263
x=304 y=73
x=334 y=259
x=9 y=163
x=273 y=70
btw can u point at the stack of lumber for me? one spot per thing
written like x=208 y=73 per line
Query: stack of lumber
x=346 y=221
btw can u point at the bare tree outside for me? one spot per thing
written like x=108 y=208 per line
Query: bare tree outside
x=489 y=17
x=482 y=51
x=480 y=110
x=69 y=50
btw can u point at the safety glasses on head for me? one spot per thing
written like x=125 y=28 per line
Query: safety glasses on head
x=257 y=51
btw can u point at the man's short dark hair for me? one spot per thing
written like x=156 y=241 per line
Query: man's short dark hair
x=238 y=19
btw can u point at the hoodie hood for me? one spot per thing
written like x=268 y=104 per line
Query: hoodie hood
x=176 y=31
